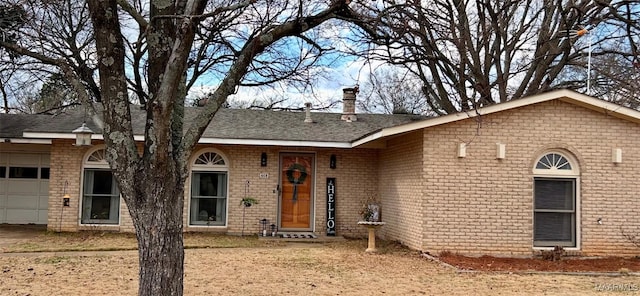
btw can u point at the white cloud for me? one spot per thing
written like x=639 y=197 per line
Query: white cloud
x=324 y=91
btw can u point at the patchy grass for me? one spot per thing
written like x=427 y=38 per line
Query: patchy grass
x=338 y=268
x=230 y=265
x=194 y=240
x=75 y=241
x=113 y=241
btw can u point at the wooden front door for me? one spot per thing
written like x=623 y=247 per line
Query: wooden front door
x=296 y=198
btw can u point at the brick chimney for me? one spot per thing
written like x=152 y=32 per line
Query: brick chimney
x=349 y=104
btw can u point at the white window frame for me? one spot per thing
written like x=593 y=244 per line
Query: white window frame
x=552 y=173
x=208 y=168
x=90 y=163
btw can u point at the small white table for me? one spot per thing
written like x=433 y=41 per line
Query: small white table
x=372 y=226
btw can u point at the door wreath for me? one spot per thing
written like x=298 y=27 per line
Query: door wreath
x=291 y=170
x=295 y=181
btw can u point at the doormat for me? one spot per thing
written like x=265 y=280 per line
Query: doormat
x=297 y=235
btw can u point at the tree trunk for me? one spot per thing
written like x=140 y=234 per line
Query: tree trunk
x=161 y=257
x=158 y=225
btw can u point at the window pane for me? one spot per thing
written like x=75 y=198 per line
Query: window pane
x=208 y=185
x=44 y=173
x=543 y=163
x=554 y=194
x=208 y=211
x=3 y=172
x=23 y=173
x=552 y=229
x=97 y=156
x=100 y=208
x=211 y=184
x=102 y=182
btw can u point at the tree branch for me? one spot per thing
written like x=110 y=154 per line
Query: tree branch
x=142 y=22
x=251 y=49
x=68 y=72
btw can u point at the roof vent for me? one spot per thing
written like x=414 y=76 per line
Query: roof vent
x=307 y=109
x=349 y=104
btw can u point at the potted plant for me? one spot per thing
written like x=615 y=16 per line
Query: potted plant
x=370 y=211
x=245 y=203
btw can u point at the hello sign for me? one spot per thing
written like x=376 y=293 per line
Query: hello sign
x=331 y=206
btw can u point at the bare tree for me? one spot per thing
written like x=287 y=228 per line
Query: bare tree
x=153 y=51
x=474 y=53
x=393 y=91
x=55 y=29
x=11 y=18
x=613 y=78
x=54 y=97
x=4 y=77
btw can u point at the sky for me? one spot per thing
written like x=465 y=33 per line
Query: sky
x=325 y=91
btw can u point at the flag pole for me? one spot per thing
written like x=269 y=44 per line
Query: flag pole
x=580 y=33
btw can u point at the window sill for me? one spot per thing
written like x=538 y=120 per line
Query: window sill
x=573 y=249
x=99 y=226
x=205 y=228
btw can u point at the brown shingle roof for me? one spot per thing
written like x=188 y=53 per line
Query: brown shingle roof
x=227 y=124
x=282 y=125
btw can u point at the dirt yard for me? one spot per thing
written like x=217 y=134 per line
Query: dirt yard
x=565 y=264
x=293 y=269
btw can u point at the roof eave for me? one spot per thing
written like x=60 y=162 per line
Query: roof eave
x=264 y=142
x=228 y=141
x=51 y=136
x=24 y=141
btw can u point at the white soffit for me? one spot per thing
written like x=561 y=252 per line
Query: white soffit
x=259 y=142
x=41 y=135
x=25 y=141
x=255 y=142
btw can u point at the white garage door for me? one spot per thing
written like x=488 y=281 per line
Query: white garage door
x=24 y=188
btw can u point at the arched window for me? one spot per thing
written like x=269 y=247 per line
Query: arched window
x=209 y=183
x=209 y=159
x=100 y=195
x=555 y=192
x=554 y=163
